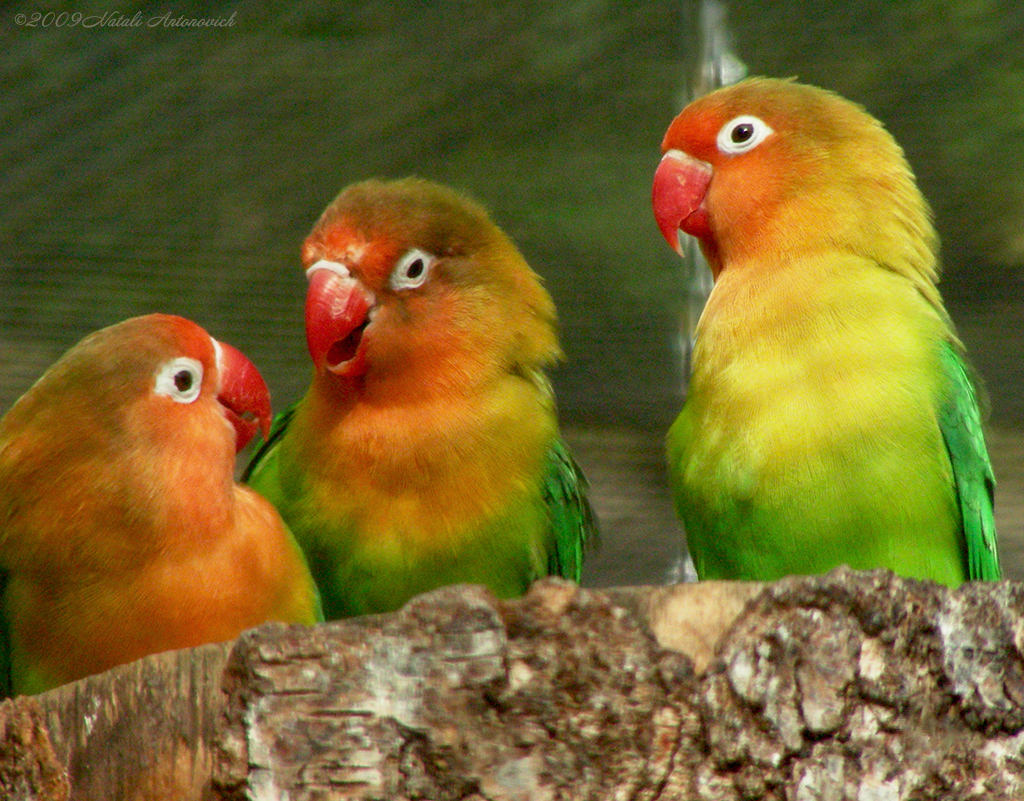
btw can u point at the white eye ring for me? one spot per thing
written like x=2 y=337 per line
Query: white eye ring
x=412 y=269
x=741 y=134
x=179 y=379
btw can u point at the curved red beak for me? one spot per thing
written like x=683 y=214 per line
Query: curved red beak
x=338 y=310
x=680 y=183
x=243 y=393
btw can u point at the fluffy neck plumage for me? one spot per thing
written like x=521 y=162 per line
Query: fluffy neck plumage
x=425 y=469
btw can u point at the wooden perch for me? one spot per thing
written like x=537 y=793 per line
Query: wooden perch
x=847 y=686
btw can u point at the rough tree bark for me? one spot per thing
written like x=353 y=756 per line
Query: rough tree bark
x=859 y=686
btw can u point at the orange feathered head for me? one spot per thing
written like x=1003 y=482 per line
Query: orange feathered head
x=161 y=368
x=410 y=281
x=768 y=167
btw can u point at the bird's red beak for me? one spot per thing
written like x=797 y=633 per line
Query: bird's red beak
x=338 y=310
x=243 y=393
x=680 y=183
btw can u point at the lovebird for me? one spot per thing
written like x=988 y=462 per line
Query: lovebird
x=426 y=451
x=122 y=530
x=830 y=417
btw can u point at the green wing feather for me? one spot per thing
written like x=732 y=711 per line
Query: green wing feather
x=960 y=422
x=277 y=430
x=573 y=523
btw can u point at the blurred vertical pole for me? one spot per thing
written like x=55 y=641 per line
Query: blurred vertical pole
x=710 y=64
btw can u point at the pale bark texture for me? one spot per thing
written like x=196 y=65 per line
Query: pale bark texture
x=851 y=686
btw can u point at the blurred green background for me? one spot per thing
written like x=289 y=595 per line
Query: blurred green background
x=153 y=168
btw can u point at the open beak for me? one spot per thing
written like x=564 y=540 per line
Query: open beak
x=338 y=310
x=243 y=393
x=680 y=184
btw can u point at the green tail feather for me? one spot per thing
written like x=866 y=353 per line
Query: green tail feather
x=960 y=422
x=573 y=523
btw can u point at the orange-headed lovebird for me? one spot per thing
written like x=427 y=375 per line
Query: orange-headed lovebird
x=426 y=451
x=830 y=417
x=122 y=532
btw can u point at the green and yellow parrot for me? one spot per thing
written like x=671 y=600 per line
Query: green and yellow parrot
x=122 y=531
x=830 y=417
x=426 y=451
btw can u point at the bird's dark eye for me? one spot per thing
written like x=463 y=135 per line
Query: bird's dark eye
x=412 y=269
x=741 y=134
x=415 y=270
x=179 y=379
x=183 y=380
